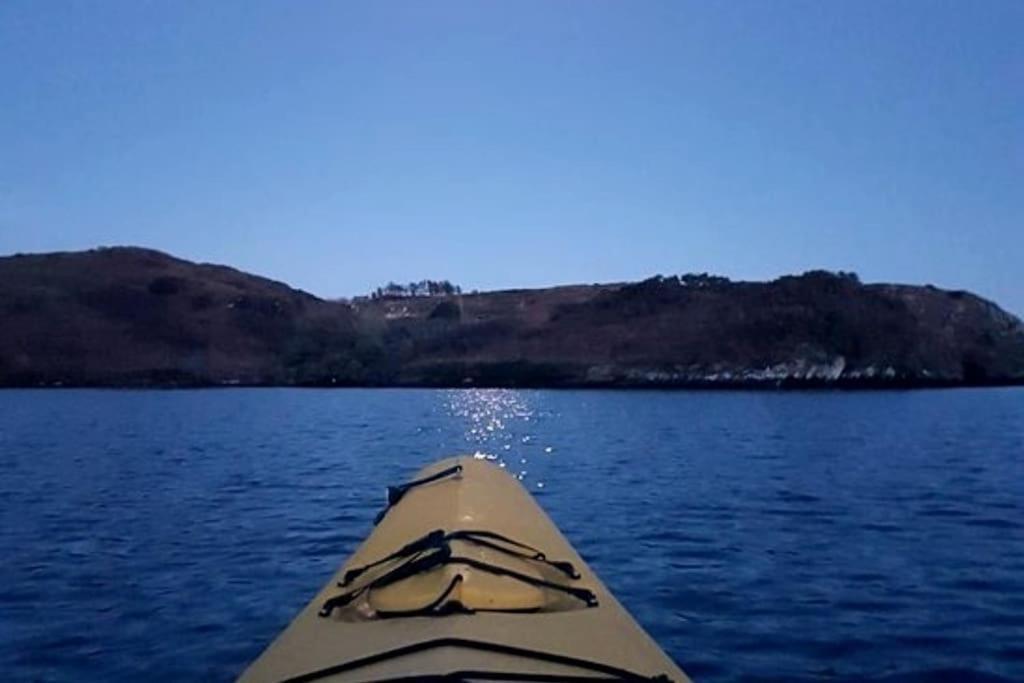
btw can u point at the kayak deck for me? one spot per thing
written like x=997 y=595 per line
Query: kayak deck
x=464 y=574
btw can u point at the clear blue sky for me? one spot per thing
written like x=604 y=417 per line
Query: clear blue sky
x=338 y=145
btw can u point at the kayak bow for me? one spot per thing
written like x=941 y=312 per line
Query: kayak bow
x=463 y=578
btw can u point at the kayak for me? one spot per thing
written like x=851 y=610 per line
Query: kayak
x=463 y=578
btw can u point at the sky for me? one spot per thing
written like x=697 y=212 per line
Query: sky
x=339 y=145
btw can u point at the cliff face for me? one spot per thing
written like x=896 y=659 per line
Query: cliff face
x=135 y=317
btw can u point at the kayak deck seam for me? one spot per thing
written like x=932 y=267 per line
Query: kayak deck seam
x=498 y=648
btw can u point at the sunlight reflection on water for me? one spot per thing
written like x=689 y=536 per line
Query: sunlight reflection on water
x=499 y=427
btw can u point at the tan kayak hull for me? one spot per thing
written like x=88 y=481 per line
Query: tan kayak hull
x=481 y=496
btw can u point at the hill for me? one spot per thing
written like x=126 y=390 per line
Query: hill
x=136 y=317
x=127 y=316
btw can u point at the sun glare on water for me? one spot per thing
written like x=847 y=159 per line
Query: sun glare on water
x=500 y=427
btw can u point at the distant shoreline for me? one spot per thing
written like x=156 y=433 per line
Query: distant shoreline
x=129 y=317
x=784 y=386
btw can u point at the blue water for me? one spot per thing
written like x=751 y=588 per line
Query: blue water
x=757 y=536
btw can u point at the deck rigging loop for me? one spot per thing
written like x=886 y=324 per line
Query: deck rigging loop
x=434 y=550
x=396 y=493
x=489 y=539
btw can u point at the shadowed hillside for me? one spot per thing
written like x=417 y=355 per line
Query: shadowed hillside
x=136 y=317
x=126 y=316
